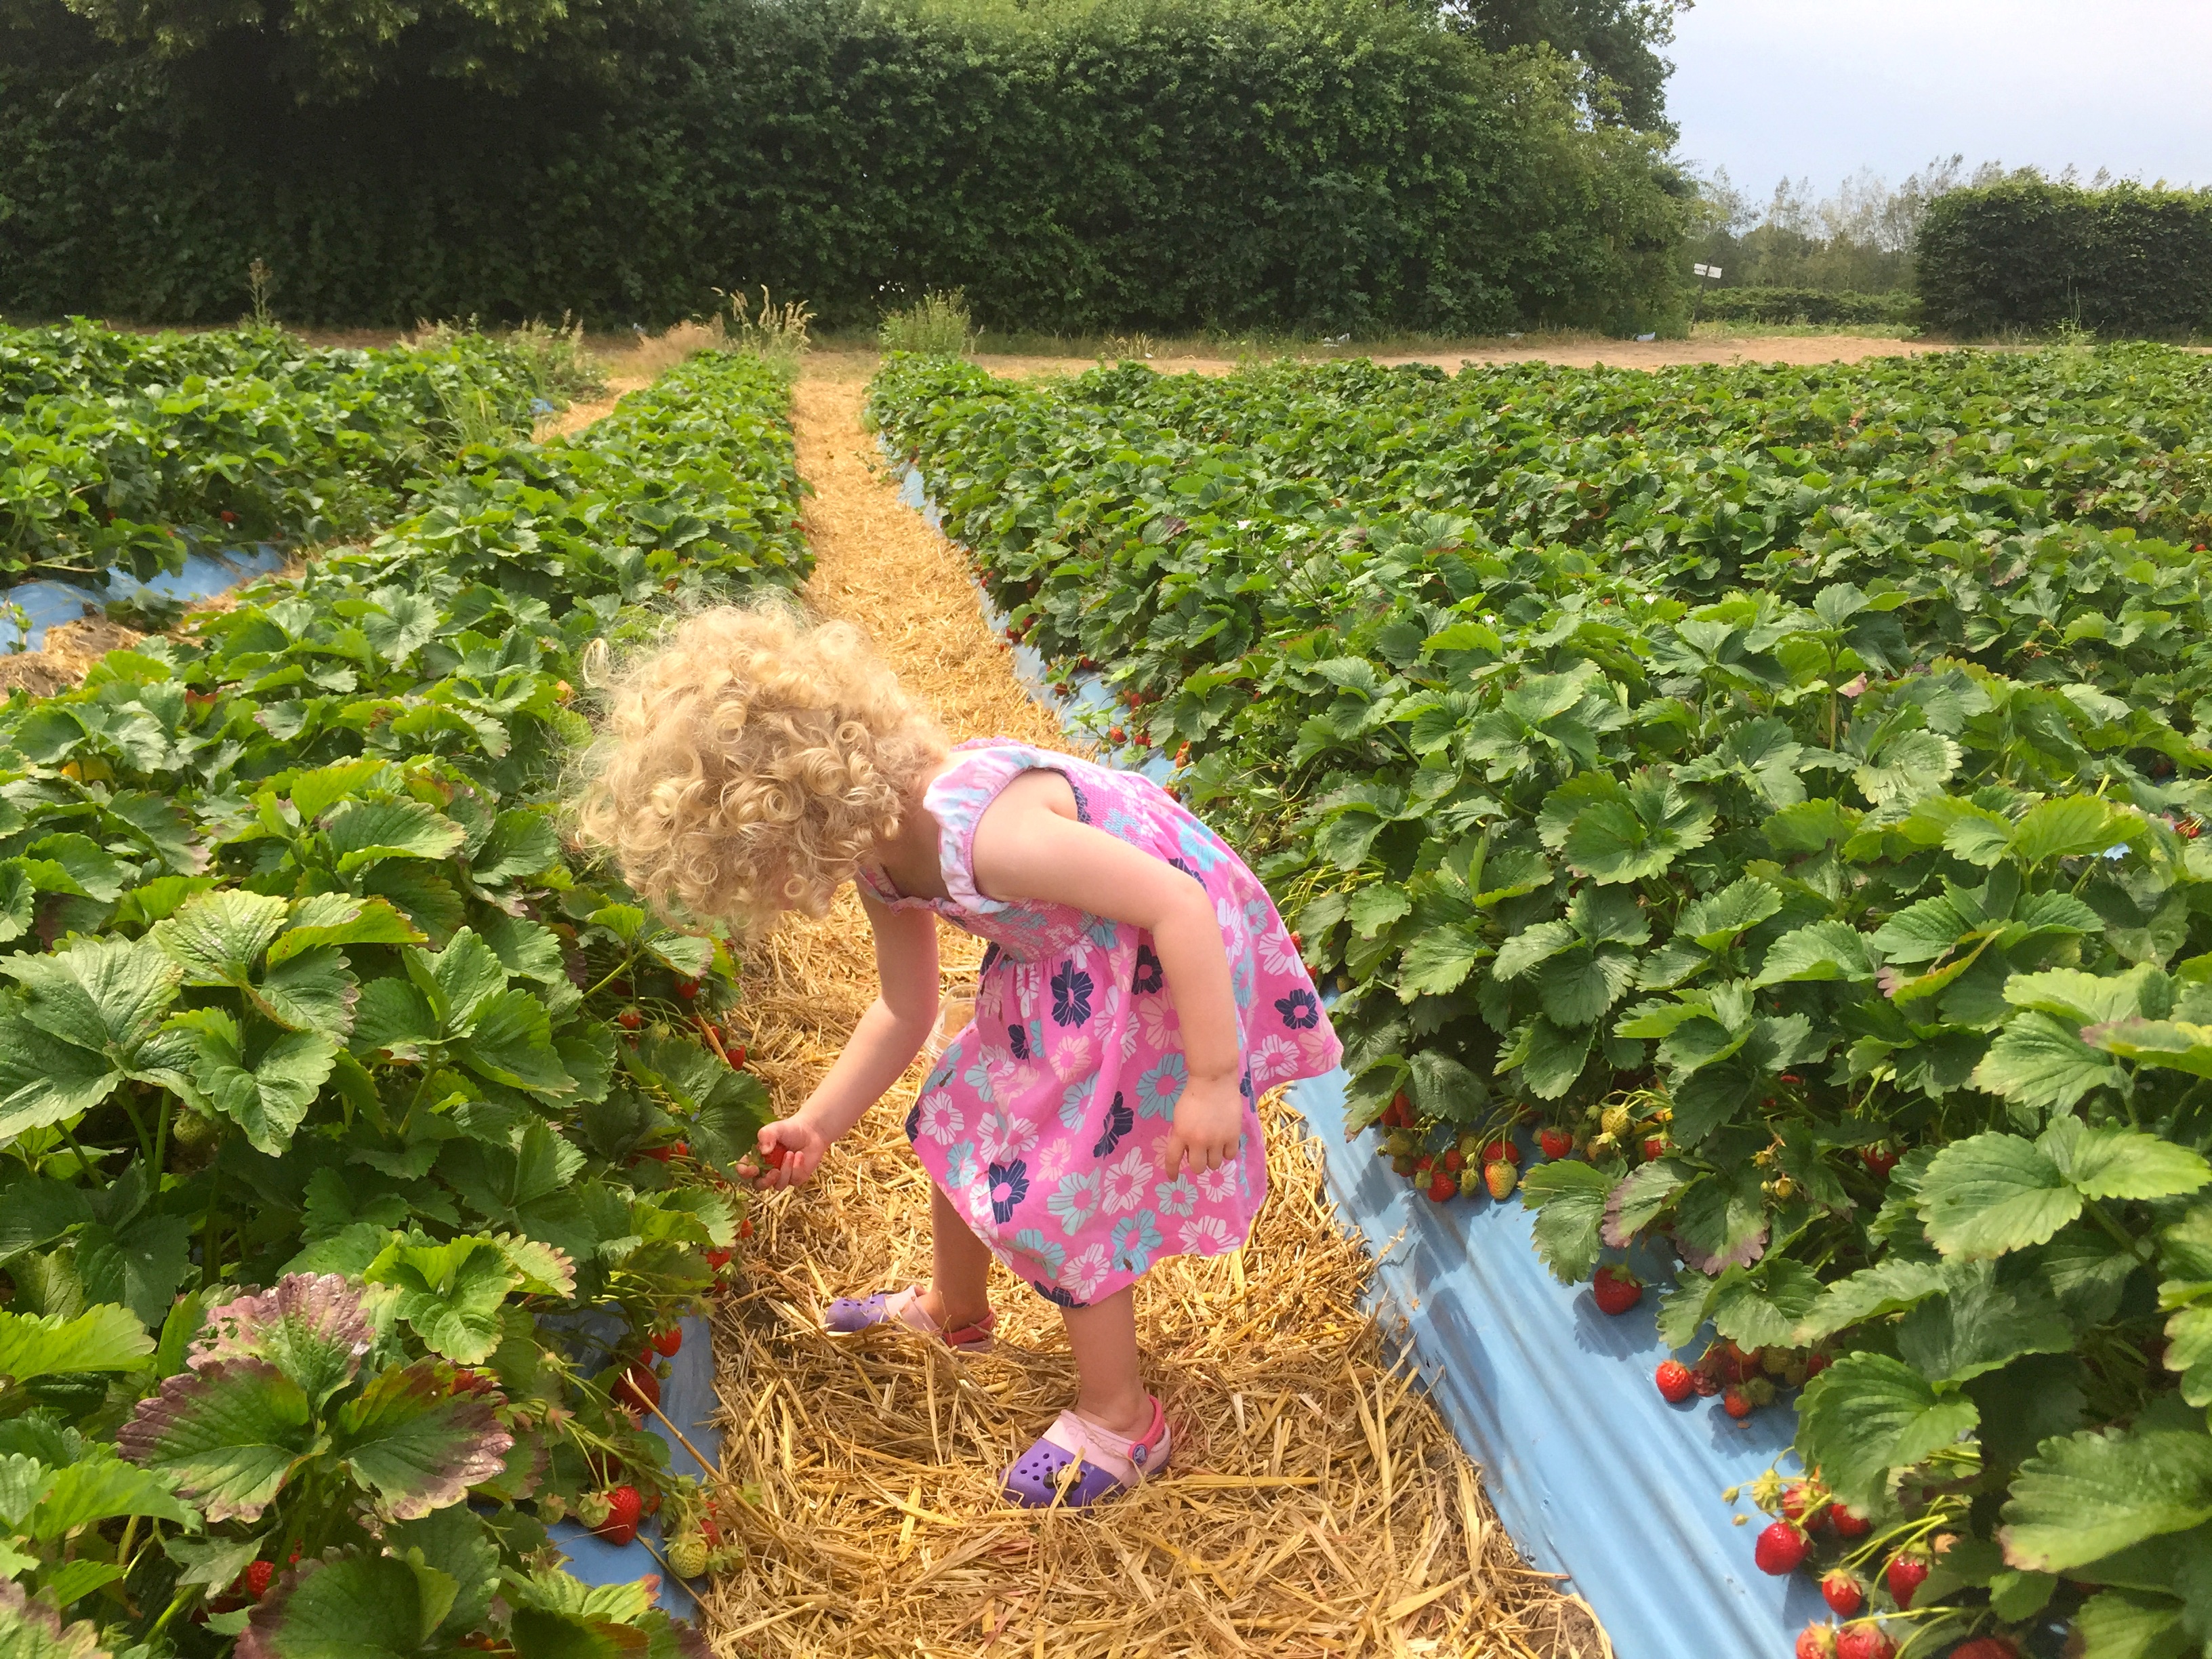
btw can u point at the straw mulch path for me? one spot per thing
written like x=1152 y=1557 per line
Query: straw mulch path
x=1317 y=1505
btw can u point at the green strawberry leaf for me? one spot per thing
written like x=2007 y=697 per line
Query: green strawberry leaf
x=139 y=1265
x=266 y=1095
x=451 y=1293
x=1759 y=1308
x=510 y=1040
x=349 y=1607
x=322 y=919
x=2085 y=1497
x=1818 y=951
x=365 y=832
x=103 y=1489
x=1994 y=1193
x=1867 y=1414
x=2042 y=1063
x=217 y=937
x=105 y=1339
x=1975 y=1325
x=1569 y=1197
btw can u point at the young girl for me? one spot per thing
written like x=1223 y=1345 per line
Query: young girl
x=1138 y=993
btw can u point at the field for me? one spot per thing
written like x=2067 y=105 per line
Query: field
x=1777 y=790
x=305 y=993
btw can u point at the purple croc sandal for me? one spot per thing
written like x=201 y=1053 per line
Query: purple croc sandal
x=850 y=1313
x=1103 y=1463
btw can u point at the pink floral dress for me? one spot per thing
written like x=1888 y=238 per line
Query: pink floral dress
x=1046 y=1120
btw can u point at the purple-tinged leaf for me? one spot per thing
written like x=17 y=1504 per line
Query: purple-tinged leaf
x=415 y=1443
x=31 y=1630
x=312 y=1327
x=347 y=1607
x=230 y=1431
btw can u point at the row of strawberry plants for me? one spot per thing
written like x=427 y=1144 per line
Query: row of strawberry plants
x=1779 y=787
x=305 y=993
x=124 y=451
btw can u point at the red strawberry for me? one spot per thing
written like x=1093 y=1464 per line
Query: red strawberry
x=227 y=516
x=1445 y=1186
x=1816 y=1364
x=1501 y=1152
x=745 y=1228
x=1736 y=1403
x=1985 y=1647
x=1905 y=1575
x=1674 y=1381
x=1654 y=1148
x=1116 y=734
x=1798 y=1498
x=1816 y=1642
x=624 y=1507
x=638 y=1387
x=1842 y=1592
x=717 y=1259
x=630 y=1019
x=737 y=1055
x=668 y=1342
x=1880 y=1160
x=253 y=1584
x=776 y=1153
x=1864 y=1640
x=1707 y=1383
x=687 y=989
x=1556 y=1143
x=1617 y=1290
x=1849 y=1523
x=1455 y=1160
x=1781 y=1548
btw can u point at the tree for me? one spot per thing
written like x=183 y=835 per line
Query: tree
x=334 y=51
x=1618 y=41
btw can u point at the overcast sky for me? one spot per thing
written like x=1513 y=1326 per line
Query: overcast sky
x=1826 y=86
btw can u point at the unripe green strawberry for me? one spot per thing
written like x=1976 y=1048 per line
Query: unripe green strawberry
x=592 y=1509
x=686 y=1556
x=190 y=1131
x=1499 y=1177
x=1470 y=1182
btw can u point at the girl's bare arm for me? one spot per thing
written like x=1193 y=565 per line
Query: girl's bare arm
x=882 y=1045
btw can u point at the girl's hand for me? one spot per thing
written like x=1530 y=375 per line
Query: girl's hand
x=793 y=1150
x=1209 y=1123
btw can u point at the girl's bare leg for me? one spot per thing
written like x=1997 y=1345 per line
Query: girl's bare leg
x=959 y=1287
x=1104 y=1338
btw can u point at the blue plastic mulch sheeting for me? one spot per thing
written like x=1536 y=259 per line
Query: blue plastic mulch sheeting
x=687 y=1400
x=48 y=604
x=1594 y=1475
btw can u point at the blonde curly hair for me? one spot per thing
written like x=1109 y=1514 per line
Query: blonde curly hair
x=748 y=765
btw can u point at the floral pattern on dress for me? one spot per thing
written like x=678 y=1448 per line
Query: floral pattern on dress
x=1030 y=1121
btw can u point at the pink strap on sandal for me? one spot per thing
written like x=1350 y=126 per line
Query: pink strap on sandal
x=848 y=1314
x=1103 y=1462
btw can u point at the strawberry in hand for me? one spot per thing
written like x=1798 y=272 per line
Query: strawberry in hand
x=792 y=1149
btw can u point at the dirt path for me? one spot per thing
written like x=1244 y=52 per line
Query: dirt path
x=1319 y=1507
x=1572 y=352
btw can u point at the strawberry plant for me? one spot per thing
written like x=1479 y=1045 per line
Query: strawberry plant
x=122 y=451
x=1779 y=788
x=328 y=1163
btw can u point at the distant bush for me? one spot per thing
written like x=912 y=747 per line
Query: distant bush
x=1080 y=169
x=2033 y=254
x=1804 y=304
x=935 y=326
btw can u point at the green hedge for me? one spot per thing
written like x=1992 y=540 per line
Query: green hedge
x=1804 y=304
x=1157 y=163
x=2032 y=254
